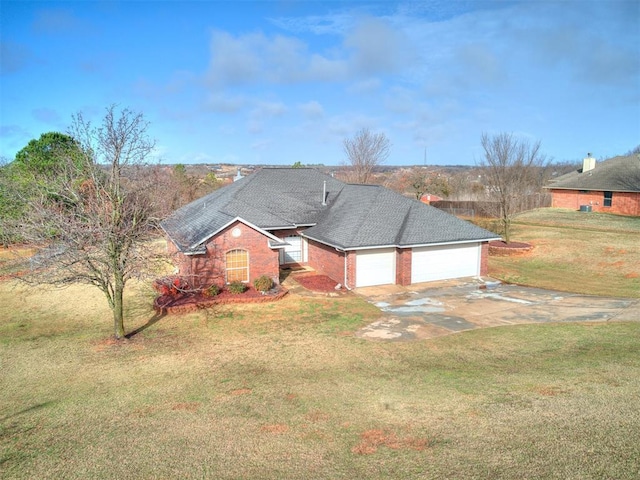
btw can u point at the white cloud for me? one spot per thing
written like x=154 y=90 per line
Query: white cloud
x=378 y=48
x=372 y=47
x=312 y=110
x=262 y=113
x=348 y=124
x=366 y=86
x=235 y=60
x=480 y=65
x=256 y=58
x=400 y=100
x=224 y=103
x=323 y=69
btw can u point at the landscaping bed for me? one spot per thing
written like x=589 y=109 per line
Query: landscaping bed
x=317 y=283
x=499 y=247
x=191 y=302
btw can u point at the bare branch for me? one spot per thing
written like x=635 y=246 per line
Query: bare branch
x=512 y=170
x=92 y=222
x=364 y=152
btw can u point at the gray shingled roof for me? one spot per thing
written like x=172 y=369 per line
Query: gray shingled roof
x=618 y=174
x=355 y=216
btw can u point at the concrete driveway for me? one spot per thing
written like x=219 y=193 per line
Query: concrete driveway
x=437 y=309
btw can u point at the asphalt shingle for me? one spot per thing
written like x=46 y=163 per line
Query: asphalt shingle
x=618 y=174
x=355 y=216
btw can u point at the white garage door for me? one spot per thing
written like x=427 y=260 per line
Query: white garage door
x=375 y=267
x=429 y=264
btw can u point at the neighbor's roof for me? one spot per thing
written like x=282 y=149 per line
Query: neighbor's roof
x=355 y=216
x=618 y=174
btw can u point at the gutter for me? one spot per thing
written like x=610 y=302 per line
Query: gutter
x=416 y=245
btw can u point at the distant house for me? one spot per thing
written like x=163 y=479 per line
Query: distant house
x=428 y=198
x=359 y=235
x=611 y=186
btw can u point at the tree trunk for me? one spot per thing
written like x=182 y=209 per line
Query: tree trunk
x=118 y=312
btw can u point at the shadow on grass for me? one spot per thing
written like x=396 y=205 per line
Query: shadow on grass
x=26 y=410
x=153 y=320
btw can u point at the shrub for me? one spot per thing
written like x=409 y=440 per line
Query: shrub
x=237 y=287
x=263 y=283
x=211 y=291
x=171 y=285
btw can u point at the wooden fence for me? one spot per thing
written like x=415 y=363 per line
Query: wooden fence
x=483 y=208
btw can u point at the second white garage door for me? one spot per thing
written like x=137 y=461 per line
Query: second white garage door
x=375 y=267
x=443 y=262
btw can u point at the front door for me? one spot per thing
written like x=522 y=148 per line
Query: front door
x=294 y=252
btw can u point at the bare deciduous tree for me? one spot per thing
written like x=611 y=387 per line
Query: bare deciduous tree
x=511 y=169
x=91 y=227
x=365 y=151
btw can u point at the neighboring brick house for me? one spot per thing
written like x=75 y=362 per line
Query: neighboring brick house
x=611 y=186
x=359 y=235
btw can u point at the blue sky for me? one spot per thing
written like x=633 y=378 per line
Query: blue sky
x=284 y=81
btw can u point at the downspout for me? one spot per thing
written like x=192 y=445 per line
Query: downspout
x=346 y=284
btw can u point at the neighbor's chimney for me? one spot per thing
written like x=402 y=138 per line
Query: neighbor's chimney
x=589 y=163
x=324 y=193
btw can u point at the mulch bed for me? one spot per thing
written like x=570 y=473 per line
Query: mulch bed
x=317 y=283
x=191 y=302
x=498 y=247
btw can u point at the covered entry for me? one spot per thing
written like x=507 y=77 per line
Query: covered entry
x=295 y=251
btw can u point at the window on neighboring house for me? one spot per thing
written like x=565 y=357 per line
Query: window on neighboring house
x=237 y=262
x=608 y=197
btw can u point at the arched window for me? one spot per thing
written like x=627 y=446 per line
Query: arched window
x=237 y=263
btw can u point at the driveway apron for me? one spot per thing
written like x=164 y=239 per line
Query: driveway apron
x=437 y=309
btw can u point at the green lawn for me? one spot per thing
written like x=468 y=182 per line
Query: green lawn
x=591 y=253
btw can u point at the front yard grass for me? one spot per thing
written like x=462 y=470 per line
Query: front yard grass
x=589 y=253
x=283 y=390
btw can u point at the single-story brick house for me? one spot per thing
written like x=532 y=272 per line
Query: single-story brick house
x=611 y=186
x=359 y=235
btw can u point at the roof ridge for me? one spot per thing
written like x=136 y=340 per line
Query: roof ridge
x=403 y=227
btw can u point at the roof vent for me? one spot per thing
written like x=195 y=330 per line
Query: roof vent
x=324 y=193
x=589 y=163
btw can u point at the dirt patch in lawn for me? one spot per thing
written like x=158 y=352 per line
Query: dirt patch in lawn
x=317 y=283
x=372 y=439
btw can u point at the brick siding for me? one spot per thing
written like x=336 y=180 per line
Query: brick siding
x=403 y=266
x=327 y=261
x=623 y=203
x=207 y=269
x=484 y=259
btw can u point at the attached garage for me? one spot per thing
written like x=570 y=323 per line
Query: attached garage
x=375 y=267
x=443 y=262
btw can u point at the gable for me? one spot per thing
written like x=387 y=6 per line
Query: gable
x=270 y=199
